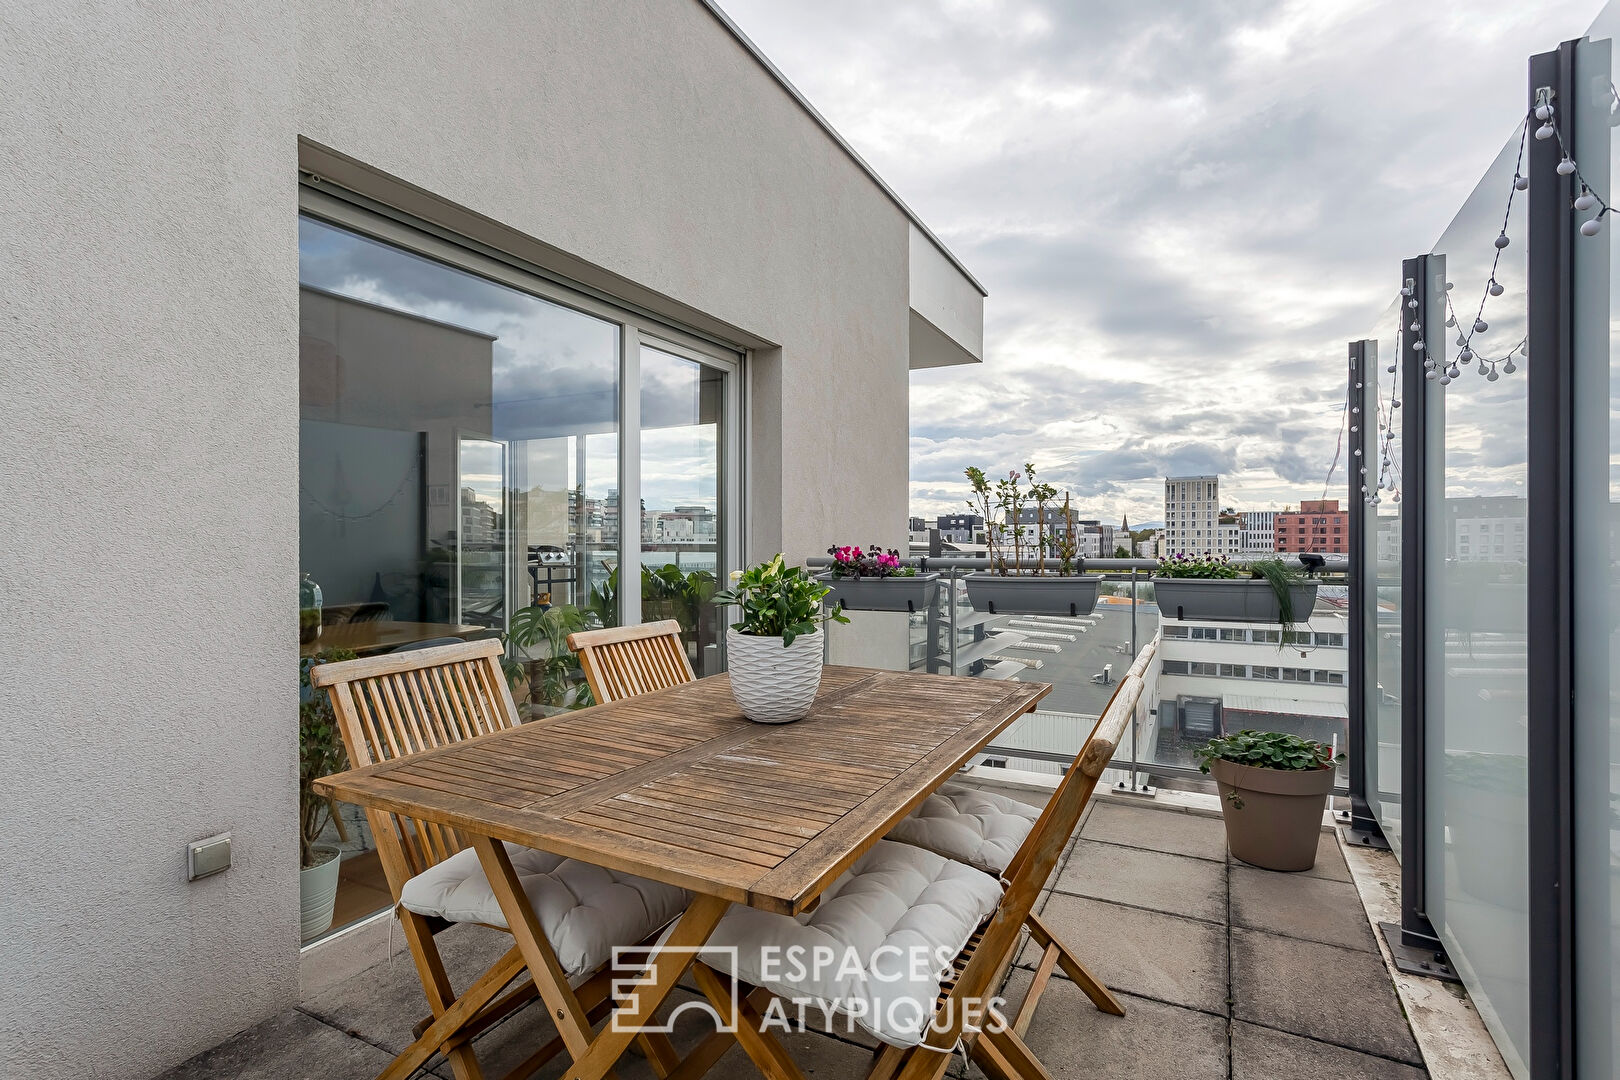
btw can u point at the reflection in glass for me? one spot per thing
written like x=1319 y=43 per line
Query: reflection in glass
x=458 y=462
x=682 y=402
x=1382 y=547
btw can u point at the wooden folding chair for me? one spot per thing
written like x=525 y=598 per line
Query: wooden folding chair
x=399 y=704
x=623 y=661
x=979 y=969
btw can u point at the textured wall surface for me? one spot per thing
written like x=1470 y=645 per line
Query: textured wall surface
x=148 y=294
x=148 y=302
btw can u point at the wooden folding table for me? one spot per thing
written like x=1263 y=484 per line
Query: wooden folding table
x=678 y=787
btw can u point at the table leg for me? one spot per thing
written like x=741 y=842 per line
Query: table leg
x=662 y=973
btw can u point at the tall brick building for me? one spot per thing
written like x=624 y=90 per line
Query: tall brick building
x=1316 y=526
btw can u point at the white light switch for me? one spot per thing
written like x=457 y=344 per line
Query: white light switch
x=206 y=857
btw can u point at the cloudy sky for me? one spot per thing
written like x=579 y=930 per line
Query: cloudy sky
x=1182 y=211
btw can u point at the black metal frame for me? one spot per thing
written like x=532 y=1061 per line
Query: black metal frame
x=1550 y=616
x=1363 y=361
x=1416 y=930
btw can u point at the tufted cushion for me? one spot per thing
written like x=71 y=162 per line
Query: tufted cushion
x=584 y=909
x=976 y=827
x=873 y=949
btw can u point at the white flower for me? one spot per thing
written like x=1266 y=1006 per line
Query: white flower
x=736 y=575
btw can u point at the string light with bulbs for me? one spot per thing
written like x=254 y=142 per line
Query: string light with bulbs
x=1490 y=367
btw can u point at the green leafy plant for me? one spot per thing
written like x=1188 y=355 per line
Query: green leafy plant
x=666 y=593
x=1266 y=750
x=1282 y=577
x=320 y=753
x=1067 y=546
x=778 y=600
x=537 y=649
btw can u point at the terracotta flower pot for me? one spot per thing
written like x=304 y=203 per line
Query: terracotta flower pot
x=1273 y=816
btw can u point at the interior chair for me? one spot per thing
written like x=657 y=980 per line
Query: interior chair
x=623 y=661
x=398 y=704
x=897 y=897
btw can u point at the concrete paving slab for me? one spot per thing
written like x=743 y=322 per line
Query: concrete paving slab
x=1152 y=1039
x=1149 y=953
x=1152 y=879
x=289 y=1046
x=1342 y=996
x=1156 y=830
x=1315 y=908
x=383 y=1002
x=1263 y=1054
x=1329 y=859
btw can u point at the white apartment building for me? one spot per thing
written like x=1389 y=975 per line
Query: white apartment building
x=1228 y=538
x=1191 y=504
x=567 y=254
x=1259 y=531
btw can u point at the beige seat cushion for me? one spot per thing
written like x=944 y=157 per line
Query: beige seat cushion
x=584 y=909
x=980 y=828
x=873 y=950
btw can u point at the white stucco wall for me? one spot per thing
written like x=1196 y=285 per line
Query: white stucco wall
x=149 y=391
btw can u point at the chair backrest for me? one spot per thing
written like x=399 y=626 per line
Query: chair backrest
x=1036 y=858
x=623 y=661
x=398 y=704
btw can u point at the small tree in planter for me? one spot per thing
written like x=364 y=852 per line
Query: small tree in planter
x=773 y=653
x=871 y=579
x=1020 y=589
x=1274 y=787
x=1212 y=587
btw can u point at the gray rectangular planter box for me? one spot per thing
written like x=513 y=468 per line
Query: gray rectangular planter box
x=1229 y=599
x=1033 y=594
x=915 y=593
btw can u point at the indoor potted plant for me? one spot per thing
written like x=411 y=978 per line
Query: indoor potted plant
x=543 y=673
x=1274 y=787
x=1213 y=587
x=320 y=753
x=773 y=653
x=871 y=579
x=1028 y=584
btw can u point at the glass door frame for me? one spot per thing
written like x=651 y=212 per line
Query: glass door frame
x=356 y=213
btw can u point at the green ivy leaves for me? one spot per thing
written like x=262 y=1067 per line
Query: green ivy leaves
x=1267 y=750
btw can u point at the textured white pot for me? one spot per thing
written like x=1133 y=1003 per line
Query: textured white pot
x=773 y=685
x=317 y=895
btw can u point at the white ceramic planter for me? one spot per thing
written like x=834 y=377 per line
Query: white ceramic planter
x=772 y=684
x=317 y=893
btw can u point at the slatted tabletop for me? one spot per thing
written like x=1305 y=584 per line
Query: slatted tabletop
x=678 y=786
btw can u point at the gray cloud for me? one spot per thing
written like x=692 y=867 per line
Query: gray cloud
x=1182 y=210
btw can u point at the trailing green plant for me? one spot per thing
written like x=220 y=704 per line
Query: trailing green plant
x=778 y=600
x=537 y=645
x=1279 y=574
x=320 y=753
x=1266 y=750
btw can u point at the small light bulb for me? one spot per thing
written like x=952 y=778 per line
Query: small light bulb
x=1451 y=320
x=1417 y=346
x=1390 y=369
x=1520 y=183
x=1502 y=241
x=1545 y=131
x=1415 y=325
x=1566 y=167
x=1592 y=228
x=1543 y=111
x=1445 y=380
x=1585 y=201
x=1495 y=288
x=1430 y=375
x=1466 y=356
x=1412 y=304
x=1509 y=368
x=1395 y=404
x=1480 y=326
x=1452 y=371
